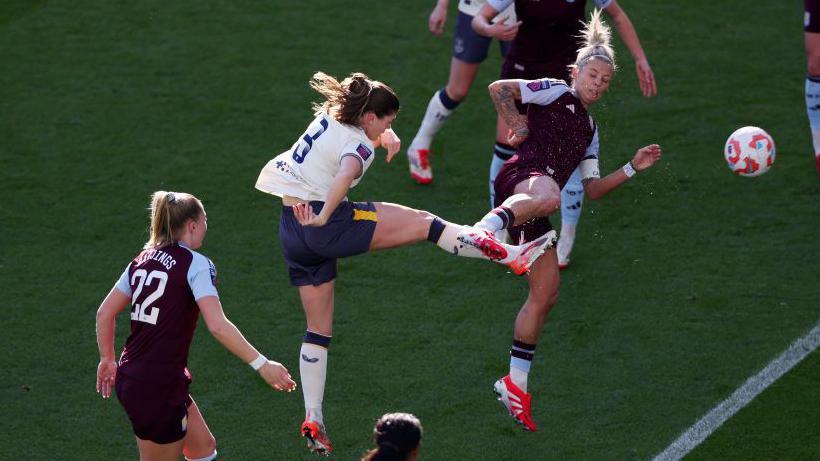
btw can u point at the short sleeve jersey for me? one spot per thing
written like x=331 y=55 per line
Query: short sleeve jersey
x=549 y=29
x=563 y=135
x=472 y=7
x=308 y=168
x=164 y=285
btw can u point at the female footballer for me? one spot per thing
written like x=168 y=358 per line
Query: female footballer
x=318 y=225
x=168 y=284
x=554 y=137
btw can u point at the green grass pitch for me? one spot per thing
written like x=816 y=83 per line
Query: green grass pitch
x=683 y=284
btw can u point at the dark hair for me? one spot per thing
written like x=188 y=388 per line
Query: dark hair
x=396 y=436
x=347 y=100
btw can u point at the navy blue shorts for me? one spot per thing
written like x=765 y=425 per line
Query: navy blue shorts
x=470 y=47
x=311 y=252
x=811 y=18
x=158 y=411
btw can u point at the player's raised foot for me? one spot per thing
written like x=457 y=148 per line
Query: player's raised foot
x=316 y=437
x=420 y=169
x=529 y=252
x=516 y=401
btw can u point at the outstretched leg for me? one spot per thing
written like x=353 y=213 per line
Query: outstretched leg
x=398 y=225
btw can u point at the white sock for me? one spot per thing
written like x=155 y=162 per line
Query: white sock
x=433 y=120
x=313 y=373
x=210 y=457
x=565 y=242
x=455 y=239
x=519 y=378
x=813 y=109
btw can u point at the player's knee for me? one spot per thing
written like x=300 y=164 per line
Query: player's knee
x=547 y=204
x=814 y=64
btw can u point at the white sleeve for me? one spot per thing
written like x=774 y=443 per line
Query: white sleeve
x=358 y=150
x=202 y=277
x=543 y=91
x=603 y=4
x=589 y=164
x=500 y=5
x=123 y=284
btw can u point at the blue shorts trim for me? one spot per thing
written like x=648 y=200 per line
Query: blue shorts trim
x=470 y=47
x=311 y=252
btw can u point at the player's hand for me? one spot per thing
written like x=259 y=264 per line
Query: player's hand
x=106 y=373
x=503 y=31
x=277 y=376
x=516 y=137
x=390 y=141
x=437 y=20
x=305 y=216
x=646 y=157
x=646 y=78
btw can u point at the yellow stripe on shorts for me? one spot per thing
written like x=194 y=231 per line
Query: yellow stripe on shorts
x=363 y=215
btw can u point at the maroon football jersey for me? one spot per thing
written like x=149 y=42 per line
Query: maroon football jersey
x=164 y=284
x=560 y=136
x=547 y=40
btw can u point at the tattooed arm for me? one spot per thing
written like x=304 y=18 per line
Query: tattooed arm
x=504 y=94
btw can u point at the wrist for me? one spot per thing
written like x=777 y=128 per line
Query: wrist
x=257 y=363
x=629 y=169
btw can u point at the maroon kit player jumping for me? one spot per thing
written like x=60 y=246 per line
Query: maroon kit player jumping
x=554 y=137
x=167 y=286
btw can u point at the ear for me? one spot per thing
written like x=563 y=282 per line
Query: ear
x=369 y=117
x=574 y=72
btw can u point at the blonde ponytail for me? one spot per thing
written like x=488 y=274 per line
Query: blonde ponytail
x=169 y=213
x=597 y=38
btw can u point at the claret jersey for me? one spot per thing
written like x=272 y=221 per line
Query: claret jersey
x=308 y=168
x=563 y=135
x=549 y=31
x=164 y=285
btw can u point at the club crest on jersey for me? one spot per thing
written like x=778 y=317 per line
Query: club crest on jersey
x=538 y=85
x=364 y=152
x=571 y=108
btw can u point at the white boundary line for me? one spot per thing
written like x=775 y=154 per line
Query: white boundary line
x=741 y=397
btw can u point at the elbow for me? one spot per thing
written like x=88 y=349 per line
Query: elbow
x=217 y=329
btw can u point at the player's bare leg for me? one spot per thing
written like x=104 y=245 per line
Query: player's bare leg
x=152 y=451
x=535 y=197
x=199 y=442
x=318 y=304
x=441 y=105
x=543 y=293
x=398 y=225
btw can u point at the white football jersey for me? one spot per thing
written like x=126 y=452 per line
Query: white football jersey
x=308 y=168
x=472 y=7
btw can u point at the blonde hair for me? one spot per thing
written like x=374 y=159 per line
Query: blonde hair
x=596 y=37
x=169 y=213
x=348 y=100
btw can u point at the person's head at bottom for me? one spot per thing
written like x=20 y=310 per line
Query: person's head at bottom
x=397 y=437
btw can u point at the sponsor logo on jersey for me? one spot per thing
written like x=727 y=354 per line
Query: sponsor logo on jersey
x=364 y=152
x=538 y=85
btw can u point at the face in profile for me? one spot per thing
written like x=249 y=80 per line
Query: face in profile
x=374 y=126
x=592 y=80
x=198 y=230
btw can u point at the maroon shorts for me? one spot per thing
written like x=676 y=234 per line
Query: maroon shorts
x=158 y=412
x=811 y=18
x=510 y=176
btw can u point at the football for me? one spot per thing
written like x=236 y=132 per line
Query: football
x=749 y=151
